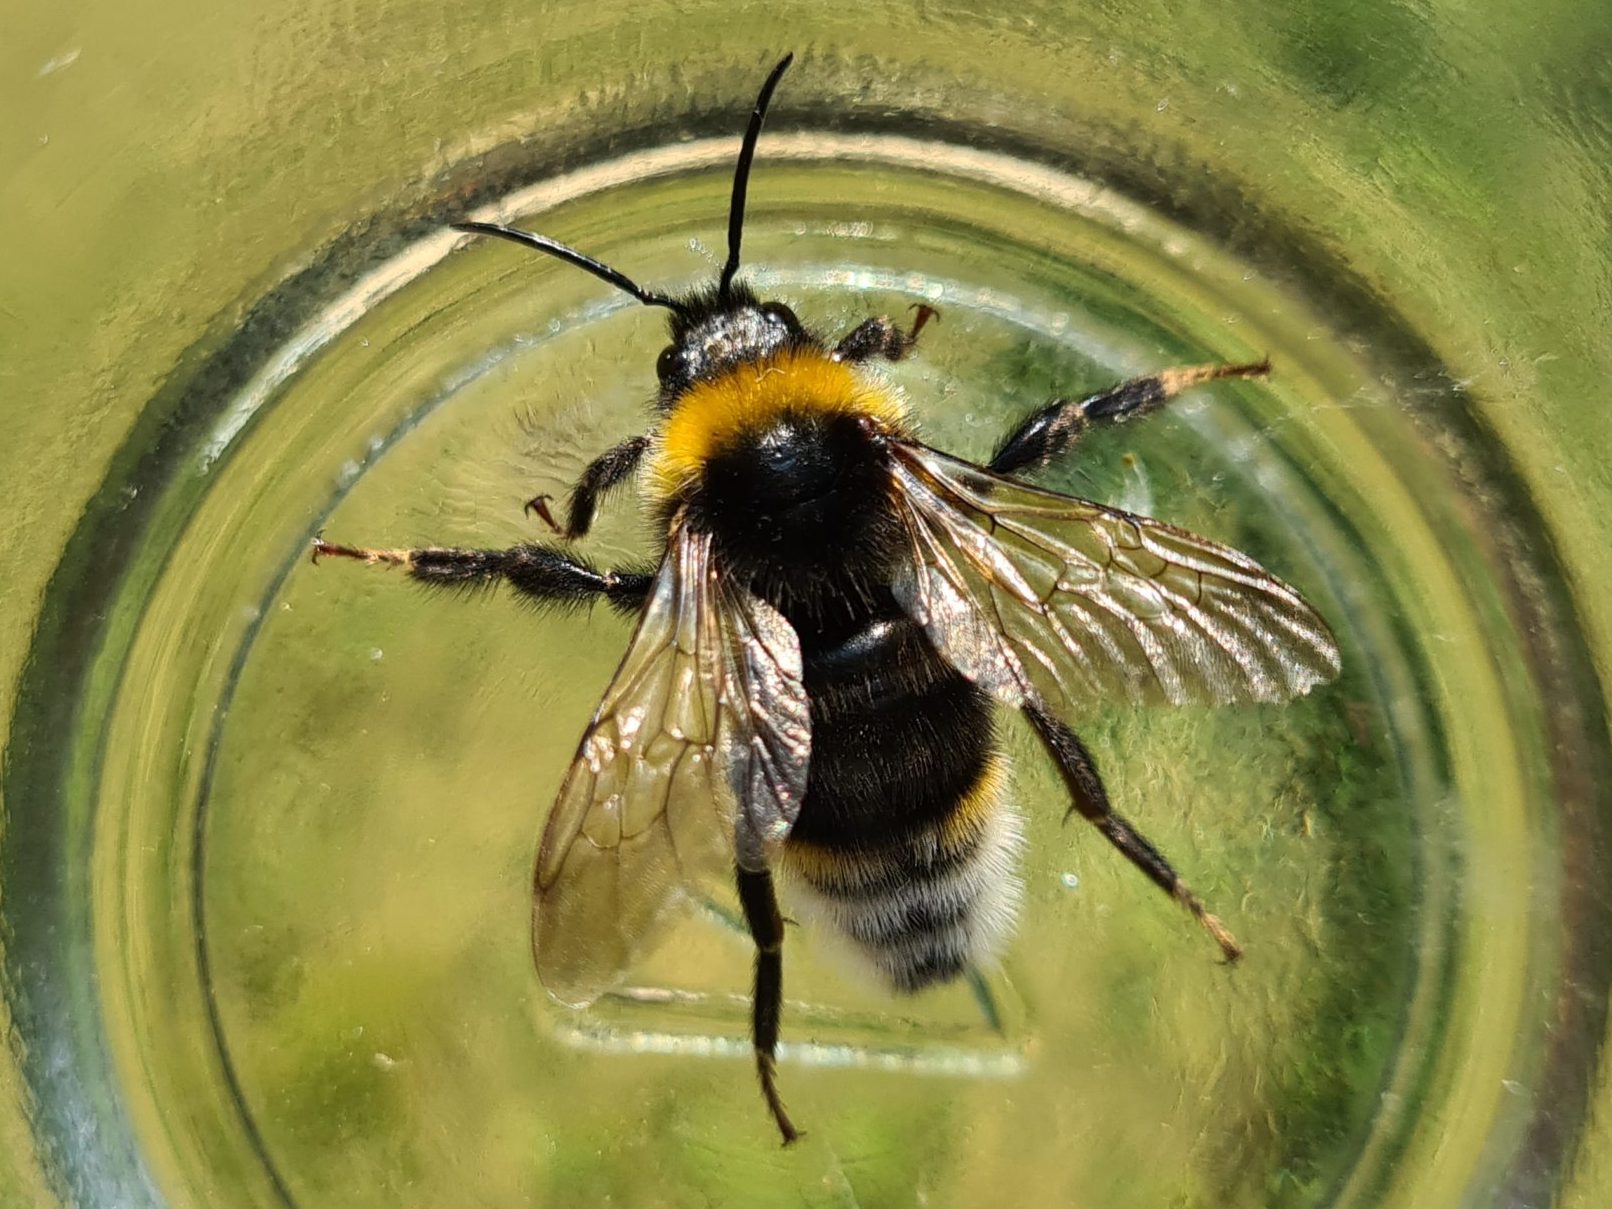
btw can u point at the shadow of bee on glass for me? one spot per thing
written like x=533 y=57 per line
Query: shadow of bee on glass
x=838 y=611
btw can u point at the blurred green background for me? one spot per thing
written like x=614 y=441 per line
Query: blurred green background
x=164 y=167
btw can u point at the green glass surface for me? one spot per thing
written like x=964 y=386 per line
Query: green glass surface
x=268 y=827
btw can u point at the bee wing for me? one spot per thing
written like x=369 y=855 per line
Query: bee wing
x=1035 y=595
x=697 y=756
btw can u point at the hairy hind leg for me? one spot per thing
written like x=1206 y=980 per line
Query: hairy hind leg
x=767 y=928
x=1091 y=799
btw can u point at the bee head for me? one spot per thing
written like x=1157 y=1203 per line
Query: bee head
x=713 y=329
x=712 y=334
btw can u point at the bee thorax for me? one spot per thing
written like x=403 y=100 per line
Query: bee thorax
x=801 y=496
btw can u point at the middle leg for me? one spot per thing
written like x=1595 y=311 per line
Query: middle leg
x=1049 y=432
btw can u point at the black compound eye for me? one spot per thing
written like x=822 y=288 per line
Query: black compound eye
x=667 y=363
x=780 y=312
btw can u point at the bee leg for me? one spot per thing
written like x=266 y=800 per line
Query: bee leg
x=1049 y=432
x=985 y=1000
x=880 y=337
x=539 y=504
x=1091 y=799
x=607 y=470
x=767 y=929
x=541 y=574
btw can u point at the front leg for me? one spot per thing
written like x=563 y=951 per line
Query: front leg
x=880 y=337
x=540 y=574
x=607 y=470
x=1035 y=443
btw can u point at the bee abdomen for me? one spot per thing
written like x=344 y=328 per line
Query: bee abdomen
x=925 y=905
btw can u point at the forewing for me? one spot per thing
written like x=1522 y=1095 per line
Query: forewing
x=1034 y=594
x=765 y=723
x=699 y=746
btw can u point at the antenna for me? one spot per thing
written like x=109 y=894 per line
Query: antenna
x=571 y=256
x=741 y=176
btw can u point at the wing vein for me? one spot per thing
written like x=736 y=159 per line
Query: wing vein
x=1030 y=593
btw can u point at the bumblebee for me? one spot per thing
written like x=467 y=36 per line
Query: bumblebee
x=837 y=613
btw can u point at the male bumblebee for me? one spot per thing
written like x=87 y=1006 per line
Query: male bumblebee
x=818 y=652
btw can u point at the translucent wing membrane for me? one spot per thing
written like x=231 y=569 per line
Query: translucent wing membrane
x=764 y=731
x=699 y=749
x=1037 y=595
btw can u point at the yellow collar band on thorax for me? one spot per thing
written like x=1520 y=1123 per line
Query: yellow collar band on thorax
x=711 y=416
